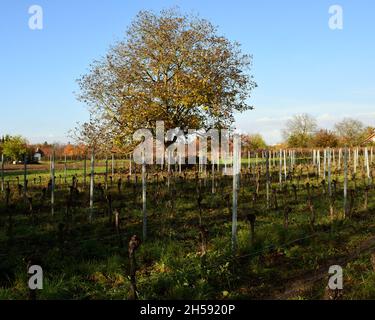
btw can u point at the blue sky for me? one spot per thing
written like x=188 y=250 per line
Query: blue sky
x=300 y=64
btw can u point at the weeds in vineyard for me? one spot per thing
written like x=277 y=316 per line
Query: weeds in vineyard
x=288 y=225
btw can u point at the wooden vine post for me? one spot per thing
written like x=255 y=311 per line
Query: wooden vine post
x=251 y=218
x=65 y=169
x=367 y=165
x=92 y=184
x=203 y=235
x=213 y=178
x=329 y=156
x=280 y=169
x=285 y=173
x=113 y=165
x=319 y=164
x=53 y=182
x=345 y=181
x=235 y=172
x=25 y=176
x=325 y=164
x=144 y=198
x=106 y=174
x=134 y=244
x=2 y=173
x=84 y=171
x=179 y=163
x=130 y=165
x=268 y=178
x=169 y=169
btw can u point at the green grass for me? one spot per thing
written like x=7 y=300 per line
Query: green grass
x=91 y=262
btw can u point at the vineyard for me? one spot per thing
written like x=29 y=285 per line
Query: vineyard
x=111 y=229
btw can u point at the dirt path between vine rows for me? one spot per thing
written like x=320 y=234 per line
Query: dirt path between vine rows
x=302 y=283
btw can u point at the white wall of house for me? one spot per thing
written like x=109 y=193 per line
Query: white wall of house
x=37 y=157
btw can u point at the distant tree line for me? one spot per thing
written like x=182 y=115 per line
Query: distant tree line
x=302 y=131
x=17 y=148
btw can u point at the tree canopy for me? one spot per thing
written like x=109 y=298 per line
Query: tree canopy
x=325 y=138
x=351 y=132
x=15 y=148
x=253 y=142
x=299 y=130
x=170 y=67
